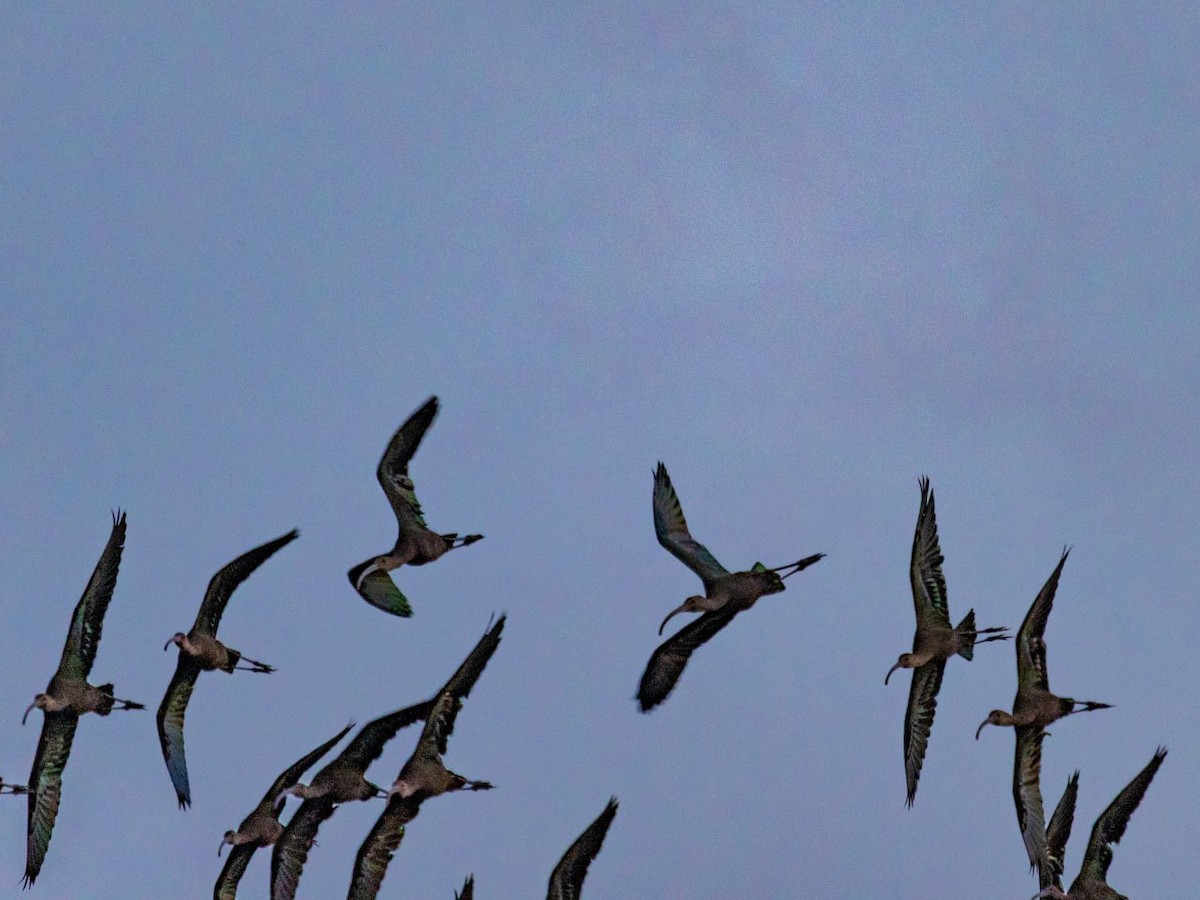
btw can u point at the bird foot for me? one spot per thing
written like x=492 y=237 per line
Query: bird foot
x=255 y=666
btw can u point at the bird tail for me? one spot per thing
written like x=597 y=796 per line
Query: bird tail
x=966 y=636
x=106 y=704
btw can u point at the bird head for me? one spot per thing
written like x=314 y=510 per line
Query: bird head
x=905 y=661
x=995 y=717
x=228 y=839
x=691 y=604
x=41 y=701
x=177 y=639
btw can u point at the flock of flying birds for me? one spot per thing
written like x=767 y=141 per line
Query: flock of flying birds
x=424 y=775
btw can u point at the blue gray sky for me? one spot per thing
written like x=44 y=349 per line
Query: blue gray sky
x=801 y=256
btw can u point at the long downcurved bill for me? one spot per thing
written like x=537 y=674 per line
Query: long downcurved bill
x=890 y=671
x=980 y=728
x=677 y=609
x=222 y=847
x=27 y=709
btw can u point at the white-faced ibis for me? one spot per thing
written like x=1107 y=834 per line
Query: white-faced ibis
x=566 y=881
x=1092 y=883
x=69 y=696
x=935 y=640
x=424 y=775
x=343 y=779
x=721 y=587
x=415 y=543
x=200 y=651
x=261 y=828
x=1034 y=707
x=726 y=594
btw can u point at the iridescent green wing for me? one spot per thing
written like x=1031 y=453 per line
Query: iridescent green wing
x=1111 y=825
x=672 y=531
x=232 y=872
x=291 y=850
x=566 y=881
x=45 y=787
x=925 y=569
x=170 y=725
x=83 y=638
x=379 y=590
x=378 y=848
x=1031 y=646
x=918 y=720
x=223 y=584
x=393 y=466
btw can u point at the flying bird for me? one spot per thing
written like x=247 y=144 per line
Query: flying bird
x=200 y=651
x=343 y=779
x=566 y=881
x=1034 y=707
x=424 y=775
x=935 y=640
x=415 y=543
x=68 y=697
x=262 y=828
x=725 y=594
x=1092 y=883
x=1058 y=832
x=468 y=891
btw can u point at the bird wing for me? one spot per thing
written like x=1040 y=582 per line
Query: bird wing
x=367 y=746
x=673 y=534
x=170 y=724
x=472 y=667
x=291 y=850
x=1058 y=832
x=566 y=881
x=1111 y=825
x=393 y=466
x=918 y=719
x=925 y=570
x=45 y=786
x=233 y=870
x=225 y=582
x=289 y=776
x=378 y=848
x=83 y=637
x=380 y=591
x=668 y=661
x=438 y=726
x=1027 y=794
x=1031 y=646
x=468 y=891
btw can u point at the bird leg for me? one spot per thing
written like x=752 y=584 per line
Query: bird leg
x=1088 y=706
x=118 y=703
x=455 y=541
x=255 y=666
x=994 y=637
x=798 y=565
x=13 y=788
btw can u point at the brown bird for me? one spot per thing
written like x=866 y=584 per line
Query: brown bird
x=343 y=779
x=68 y=697
x=566 y=881
x=1092 y=883
x=1034 y=707
x=1058 y=832
x=725 y=594
x=262 y=828
x=935 y=640
x=415 y=543
x=200 y=651
x=423 y=776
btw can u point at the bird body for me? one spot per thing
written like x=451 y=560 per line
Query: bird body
x=69 y=696
x=1034 y=707
x=935 y=640
x=415 y=544
x=200 y=651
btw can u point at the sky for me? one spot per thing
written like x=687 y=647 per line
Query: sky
x=801 y=255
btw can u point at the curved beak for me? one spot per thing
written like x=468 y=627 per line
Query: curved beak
x=222 y=847
x=27 y=709
x=677 y=609
x=890 y=671
x=169 y=642
x=980 y=728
